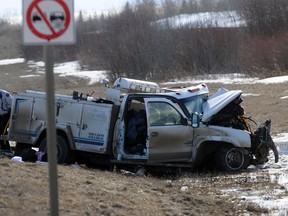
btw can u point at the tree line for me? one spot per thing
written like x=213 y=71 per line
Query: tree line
x=130 y=43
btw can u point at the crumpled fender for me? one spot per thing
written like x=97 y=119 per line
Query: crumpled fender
x=262 y=142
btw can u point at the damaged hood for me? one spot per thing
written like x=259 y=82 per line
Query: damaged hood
x=218 y=101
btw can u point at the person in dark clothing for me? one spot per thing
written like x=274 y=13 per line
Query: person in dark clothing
x=5 y=110
x=137 y=132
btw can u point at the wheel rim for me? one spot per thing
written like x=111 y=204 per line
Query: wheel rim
x=234 y=159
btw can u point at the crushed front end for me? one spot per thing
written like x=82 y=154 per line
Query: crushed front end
x=224 y=109
x=262 y=142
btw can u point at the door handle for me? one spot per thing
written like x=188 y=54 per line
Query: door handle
x=84 y=127
x=154 y=134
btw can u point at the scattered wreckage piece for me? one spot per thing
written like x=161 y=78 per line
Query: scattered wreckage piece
x=140 y=124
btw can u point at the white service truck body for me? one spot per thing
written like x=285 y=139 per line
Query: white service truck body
x=86 y=125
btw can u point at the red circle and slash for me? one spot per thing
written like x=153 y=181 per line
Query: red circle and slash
x=54 y=34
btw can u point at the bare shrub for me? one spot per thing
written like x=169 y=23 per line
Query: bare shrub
x=266 y=56
x=265 y=17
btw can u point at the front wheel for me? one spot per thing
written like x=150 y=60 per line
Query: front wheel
x=231 y=159
x=64 y=154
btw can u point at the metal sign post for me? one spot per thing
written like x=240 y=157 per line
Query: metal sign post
x=47 y=23
x=51 y=129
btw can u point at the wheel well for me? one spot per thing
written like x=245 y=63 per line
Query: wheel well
x=207 y=149
x=58 y=132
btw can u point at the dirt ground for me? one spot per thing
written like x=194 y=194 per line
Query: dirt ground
x=82 y=191
x=24 y=186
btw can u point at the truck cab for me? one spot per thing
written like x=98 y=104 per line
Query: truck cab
x=153 y=129
x=192 y=127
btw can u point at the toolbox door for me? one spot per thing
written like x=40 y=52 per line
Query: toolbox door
x=69 y=113
x=94 y=127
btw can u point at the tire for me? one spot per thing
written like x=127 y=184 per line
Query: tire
x=231 y=159
x=64 y=154
x=247 y=162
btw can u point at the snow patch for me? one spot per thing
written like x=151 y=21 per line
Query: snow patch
x=285 y=97
x=39 y=65
x=224 y=19
x=250 y=94
x=12 y=61
x=29 y=76
x=277 y=173
x=279 y=79
x=234 y=78
x=71 y=69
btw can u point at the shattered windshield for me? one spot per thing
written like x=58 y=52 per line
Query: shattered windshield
x=194 y=104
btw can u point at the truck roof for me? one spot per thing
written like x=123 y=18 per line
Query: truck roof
x=189 y=91
x=136 y=85
x=140 y=86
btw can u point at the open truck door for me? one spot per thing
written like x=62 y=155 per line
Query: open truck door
x=169 y=136
x=20 y=122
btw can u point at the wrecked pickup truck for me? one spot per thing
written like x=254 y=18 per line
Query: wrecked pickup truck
x=139 y=123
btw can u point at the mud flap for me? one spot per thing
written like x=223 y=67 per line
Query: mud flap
x=262 y=142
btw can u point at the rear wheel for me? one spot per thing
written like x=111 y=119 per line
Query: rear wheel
x=64 y=154
x=231 y=159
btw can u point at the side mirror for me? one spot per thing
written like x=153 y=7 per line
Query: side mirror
x=195 y=118
x=105 y=82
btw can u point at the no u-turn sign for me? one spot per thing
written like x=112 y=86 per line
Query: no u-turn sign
x=48 y=22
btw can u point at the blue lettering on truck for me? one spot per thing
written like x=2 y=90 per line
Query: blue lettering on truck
x=93 y=139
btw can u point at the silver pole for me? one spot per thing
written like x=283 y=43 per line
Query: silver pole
x=51 y=129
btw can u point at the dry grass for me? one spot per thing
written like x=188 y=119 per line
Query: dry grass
x=82 y=191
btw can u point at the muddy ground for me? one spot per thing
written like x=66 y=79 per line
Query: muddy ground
x=82 y=191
